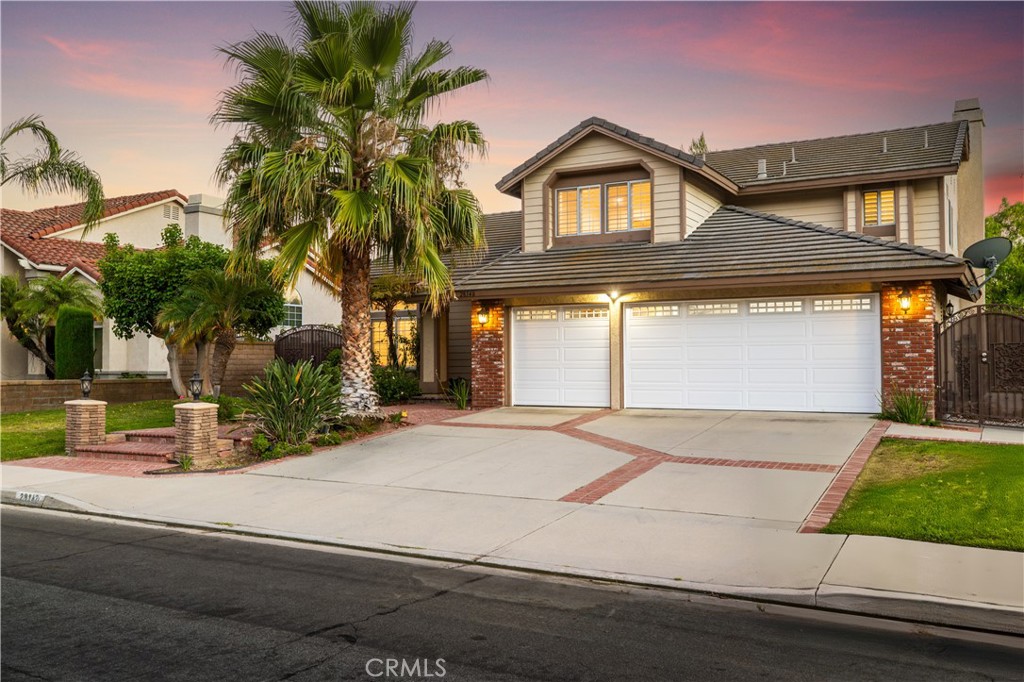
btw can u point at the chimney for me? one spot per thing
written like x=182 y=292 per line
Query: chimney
x=970 y=210
x=762 y=169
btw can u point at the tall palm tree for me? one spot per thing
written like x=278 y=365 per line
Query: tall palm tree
x=31 y=310
x=334 y=159
x=51 y=168
x=214 y=308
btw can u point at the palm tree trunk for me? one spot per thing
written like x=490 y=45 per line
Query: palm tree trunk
x=222 y=349
x=203 y=365
x=358 y=397
x=389 y=321
x=174 y=369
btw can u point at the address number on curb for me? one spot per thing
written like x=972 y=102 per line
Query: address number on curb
x=31 y=498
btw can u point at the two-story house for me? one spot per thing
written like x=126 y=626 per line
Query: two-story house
x=799 y=276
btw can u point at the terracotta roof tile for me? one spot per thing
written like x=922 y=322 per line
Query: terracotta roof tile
x=60 y=218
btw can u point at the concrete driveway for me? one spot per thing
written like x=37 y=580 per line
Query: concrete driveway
x=760 y=468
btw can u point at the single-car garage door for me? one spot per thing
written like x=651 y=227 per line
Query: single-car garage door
x=560 y=356
x=814 y=354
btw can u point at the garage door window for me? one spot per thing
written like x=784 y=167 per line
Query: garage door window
x=537 y=314
x=713 y=308
x=769 y=307
x=835 y=305
x=586 y=313
x=654 y=311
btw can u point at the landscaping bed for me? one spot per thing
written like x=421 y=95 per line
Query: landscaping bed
x=968 y=494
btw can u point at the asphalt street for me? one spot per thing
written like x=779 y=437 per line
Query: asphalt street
x=89 y=599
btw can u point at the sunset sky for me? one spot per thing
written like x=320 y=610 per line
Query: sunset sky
x=131 y=85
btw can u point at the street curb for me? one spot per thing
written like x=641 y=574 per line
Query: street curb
x=901 y=606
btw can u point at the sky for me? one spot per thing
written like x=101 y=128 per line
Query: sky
x=130 y=86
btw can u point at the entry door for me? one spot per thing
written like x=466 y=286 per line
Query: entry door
x=814 y=354
x=560 y=356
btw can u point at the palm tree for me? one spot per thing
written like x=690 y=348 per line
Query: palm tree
x=214 y=308
x=31 y=310
x=51 y=169
x=334 y=160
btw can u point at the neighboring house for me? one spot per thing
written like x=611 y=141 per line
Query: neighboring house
x=52 y=241
x=764 y=278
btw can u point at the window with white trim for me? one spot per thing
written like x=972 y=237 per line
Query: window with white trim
x=654 y=311
x=713 y=308
x=834 y=305
x=527 y=314
x=292 y=310
x=769 y=307
x=586 y=313
x=614 y=207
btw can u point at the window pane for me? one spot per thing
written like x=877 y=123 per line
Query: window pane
x=566 y=212
x=870 y=208
x=618 y=205
x=379 y=340
x=590 y=210
x=887 y=207
x=641 y=204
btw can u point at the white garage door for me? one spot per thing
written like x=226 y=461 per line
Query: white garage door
x=815 y=354
x=560 y=356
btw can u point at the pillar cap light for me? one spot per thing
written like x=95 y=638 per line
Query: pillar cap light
x=195 y=385
x=86 y=382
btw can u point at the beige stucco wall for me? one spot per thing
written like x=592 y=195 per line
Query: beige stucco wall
x=821 y=207
x=593 y=151
x=13 y=358
x=140 y=227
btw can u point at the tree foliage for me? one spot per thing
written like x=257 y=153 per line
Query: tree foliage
x=72 y=348
x=335 y=159
x=1007 y=286
x=50 y=168
x=699 y=146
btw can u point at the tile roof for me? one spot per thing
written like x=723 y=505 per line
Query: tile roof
x=26 y=231
x=827 y=157
x=846 y=155
x=734 y=243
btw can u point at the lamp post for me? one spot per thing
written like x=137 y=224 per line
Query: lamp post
x=86 y=382
x=195 y=385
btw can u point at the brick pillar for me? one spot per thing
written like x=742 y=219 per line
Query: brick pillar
x=195 y=431
x=488 y=354
x=85 y=424
x=908 y=341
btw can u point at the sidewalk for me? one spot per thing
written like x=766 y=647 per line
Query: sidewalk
x=387 y=500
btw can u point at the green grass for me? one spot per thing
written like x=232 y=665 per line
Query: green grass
x=38 y=434
x=955 y=493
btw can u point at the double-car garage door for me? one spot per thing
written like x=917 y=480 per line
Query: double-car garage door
x=816 y=354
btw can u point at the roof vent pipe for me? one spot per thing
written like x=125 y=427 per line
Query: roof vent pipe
x=926 y=139
x=885 y=145
x=792 y=154
x=762 y=169
x=783 y=169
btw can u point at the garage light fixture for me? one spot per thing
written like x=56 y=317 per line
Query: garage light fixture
x=483 y=316
x=613 y=295
x=905 y=299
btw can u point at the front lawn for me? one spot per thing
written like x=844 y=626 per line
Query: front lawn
x=955 y=493
x=37 y=434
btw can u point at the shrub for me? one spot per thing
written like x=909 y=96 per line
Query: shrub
x=260 y=446
x=457 y=391
x=228 y=408
x=329 y=438
x=394 y=384
x=73 y=343
x=284 y=449
x=292 y=403
x=904 y=405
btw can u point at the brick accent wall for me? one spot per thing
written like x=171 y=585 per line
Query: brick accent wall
x=85 y=424
x=908 y=341
x=247 y=361
x=195 y=431
x=488 y=355
x=44 y=394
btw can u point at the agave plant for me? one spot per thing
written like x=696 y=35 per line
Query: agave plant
x=293 y=402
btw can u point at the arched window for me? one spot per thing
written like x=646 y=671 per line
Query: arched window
x=292 y=309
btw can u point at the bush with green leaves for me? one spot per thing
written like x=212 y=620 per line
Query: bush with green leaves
x=291 y=403
x=395 y=384
x=73 y=342
x=904 y=405
x=228 y=407
x=457 y=391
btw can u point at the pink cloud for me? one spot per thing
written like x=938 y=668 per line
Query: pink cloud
x=1009 y=185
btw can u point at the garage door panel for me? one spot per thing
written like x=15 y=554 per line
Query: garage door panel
x=539 y=356
x=591 y=355
x=768 y=354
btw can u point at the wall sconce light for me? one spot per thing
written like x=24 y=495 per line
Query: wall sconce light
x=483 y=316
x=86 y=381
x=195 y=385
x=949 y=310
x=613 y=295
x=905 y=299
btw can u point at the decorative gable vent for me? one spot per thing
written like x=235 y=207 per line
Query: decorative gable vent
x=171 y=212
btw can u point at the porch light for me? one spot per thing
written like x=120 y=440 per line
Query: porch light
x=905 y=300
x=483 y=316
x=949 y=310
x=86 y=381
x=195 y=385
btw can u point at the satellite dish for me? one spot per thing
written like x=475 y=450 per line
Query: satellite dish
x=988 y=253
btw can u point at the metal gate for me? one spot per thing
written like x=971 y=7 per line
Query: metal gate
x=309 y=342
x=979 y=355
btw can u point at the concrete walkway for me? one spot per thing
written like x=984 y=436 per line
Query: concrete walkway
x=985 y=434
x=701 y=501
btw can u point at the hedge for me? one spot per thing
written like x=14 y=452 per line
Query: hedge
x=72 y=344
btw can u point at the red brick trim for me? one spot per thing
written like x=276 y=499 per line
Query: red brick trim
x=830 y=500
x=908 y=341
x=487 y=350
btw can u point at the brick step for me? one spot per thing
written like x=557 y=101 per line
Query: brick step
x=225 y=431
x=133 y=452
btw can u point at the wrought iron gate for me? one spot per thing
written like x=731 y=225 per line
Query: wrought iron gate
x=979 y=354
x=309 y=342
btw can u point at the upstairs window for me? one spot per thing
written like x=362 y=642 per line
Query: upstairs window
x=879 y=207
x=292 y=310
x=603 y=208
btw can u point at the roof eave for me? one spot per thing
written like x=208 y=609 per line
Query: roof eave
x=774 y=186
